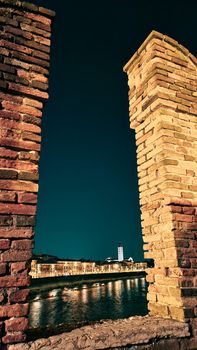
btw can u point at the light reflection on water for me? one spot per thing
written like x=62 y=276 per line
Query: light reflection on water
x=89 y=301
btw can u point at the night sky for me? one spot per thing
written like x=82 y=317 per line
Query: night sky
x=88 y=198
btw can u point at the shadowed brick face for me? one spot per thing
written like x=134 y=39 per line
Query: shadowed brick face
x=162 y=104
x=24 y=69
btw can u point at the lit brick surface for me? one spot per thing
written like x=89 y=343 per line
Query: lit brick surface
x=162 y=106
x=24 y=68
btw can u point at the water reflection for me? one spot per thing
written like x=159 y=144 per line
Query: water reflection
x=89 y=301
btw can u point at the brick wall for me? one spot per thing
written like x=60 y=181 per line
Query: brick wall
x=24 y=68
x=162 y=105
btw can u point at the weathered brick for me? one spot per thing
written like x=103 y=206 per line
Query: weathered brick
x=7 y=153
x=23 y=209
x=18 y=295
x=6 y=220
x=12 y=46
x=16 y=324
x=27 y=198
x=15 y=337
x=28 y=176
x=21 y=108
x=23 y=244
x=6 y=68
x=18 y=185
x=31 y=137
x=4 y=244
x=25 y=220
x=28 y=91
x=18 y=267
x=2 y=268
x=15 y=255
x=8 y=174
x=7 y=196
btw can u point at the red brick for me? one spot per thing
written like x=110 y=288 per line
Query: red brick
x=4 y=244
x=18 y=267
x=12 y=46
x=14 y=281
x=20 y=144
x=28 y=91
x=33 y=29
x=7 y=153
x=12 y=124
x=22 y=109
x=16 y=324
x=19 y=32
x=33 y=103
x=23 y=209
x=8 y=174
x=17 y=63
x=31 y=120
x=16 y=233
x=23 y=244
x=181 y=217
x=19 y=165
x=17 y=209
x=7 y=68
x=29 y=155
x=10 y=115
x=2 y=268
x=38 y=18
x=16 y=255
x=18 y=185
x=2 y=298
x=47 y=11
x=42 y=40
x=7 y=196
x=27 y=198
x=16 y=337
x=16 y=296
x=188 y=210
x=31 y=137
x=32 y=60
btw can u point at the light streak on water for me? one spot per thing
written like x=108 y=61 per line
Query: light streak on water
x=89 y=301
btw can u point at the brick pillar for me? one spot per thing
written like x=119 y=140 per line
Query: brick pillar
x=24 y=68
x=162 y=104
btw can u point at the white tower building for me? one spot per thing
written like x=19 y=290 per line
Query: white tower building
x=120 y=252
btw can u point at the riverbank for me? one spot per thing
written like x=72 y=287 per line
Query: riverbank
x=46 y=283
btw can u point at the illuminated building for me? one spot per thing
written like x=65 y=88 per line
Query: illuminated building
x=120 y=252
x=77 y=267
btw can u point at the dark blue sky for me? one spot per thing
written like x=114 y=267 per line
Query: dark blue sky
x=88 y=199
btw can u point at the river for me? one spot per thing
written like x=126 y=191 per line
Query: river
x=89 y=302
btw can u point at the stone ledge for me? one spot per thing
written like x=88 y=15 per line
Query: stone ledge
x=110 y=334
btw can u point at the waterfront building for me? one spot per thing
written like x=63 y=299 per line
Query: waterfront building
x=120 y=252
x=41 y=268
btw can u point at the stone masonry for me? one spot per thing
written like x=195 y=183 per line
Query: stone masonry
x=162 y=104
x=24 y=68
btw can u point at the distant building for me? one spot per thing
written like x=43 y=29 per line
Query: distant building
x=109 y=259
x=120 y=252
x=130 y=259
x=40 y=268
